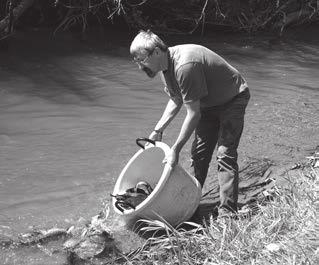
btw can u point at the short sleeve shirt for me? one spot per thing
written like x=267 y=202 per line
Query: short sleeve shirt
x=197 y=73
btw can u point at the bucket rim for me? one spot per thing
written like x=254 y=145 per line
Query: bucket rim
x=159 y=186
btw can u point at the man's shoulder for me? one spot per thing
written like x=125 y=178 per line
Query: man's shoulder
x=187 y=47
x=190 y=53
x=191 y=49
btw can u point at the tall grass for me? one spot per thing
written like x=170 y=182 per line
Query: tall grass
x=285 y=231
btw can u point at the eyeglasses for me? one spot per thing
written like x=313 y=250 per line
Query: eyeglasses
x=139 y=61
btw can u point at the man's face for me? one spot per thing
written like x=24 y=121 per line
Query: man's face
x=146 y=62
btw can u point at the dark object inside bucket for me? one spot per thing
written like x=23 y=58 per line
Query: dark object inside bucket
x=132 y=196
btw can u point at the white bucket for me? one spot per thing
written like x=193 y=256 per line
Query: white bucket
x=176 y=194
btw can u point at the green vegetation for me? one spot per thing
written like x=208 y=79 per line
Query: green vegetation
x=188 y=16
x=285 y=231
x=167 y=16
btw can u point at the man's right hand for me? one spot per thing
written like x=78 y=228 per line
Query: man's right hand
x=156 y=136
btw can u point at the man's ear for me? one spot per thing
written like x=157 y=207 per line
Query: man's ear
x=157 y=50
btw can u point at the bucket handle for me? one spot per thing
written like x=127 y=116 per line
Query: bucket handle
x=138 y=140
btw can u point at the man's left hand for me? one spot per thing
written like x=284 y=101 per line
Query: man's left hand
x=171 y=158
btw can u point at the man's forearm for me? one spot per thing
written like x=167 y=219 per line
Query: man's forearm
x=189 y=125
x=172 y=108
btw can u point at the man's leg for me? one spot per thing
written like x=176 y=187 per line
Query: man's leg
x=231 y=127
x=206 y=135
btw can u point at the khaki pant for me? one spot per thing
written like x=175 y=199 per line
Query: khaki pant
x=221 y=125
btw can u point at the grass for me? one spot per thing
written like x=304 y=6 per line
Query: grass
x=284 y=231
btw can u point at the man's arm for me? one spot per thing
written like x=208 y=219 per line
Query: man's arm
x=171 y=110
x=190 y=122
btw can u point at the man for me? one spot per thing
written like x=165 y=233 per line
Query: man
x=215 y=96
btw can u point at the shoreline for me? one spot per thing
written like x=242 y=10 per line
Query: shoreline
x=67 y=240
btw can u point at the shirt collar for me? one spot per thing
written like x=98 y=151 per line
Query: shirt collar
x=169 y=62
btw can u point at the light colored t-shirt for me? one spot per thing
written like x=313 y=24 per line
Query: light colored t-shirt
x=197 y=73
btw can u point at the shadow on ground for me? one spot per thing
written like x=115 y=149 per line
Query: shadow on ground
x=256 y=177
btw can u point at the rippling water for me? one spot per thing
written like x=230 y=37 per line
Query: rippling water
x=70 y=113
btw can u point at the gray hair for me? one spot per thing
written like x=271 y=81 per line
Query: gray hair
x=146 y=42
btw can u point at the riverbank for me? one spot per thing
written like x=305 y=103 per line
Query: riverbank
x=280 y=227
x=178 y=17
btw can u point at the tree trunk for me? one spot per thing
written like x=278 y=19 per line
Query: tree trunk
x=17 y=12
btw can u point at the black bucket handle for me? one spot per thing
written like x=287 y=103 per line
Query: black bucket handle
x=138 y=140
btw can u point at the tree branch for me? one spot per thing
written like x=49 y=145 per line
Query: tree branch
x=17 y=12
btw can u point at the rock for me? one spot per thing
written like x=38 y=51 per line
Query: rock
x=53 y=232
x=90 y=247
x=93 y=244
x=5 y=241
x=94 y=240
x=82 y=241
x=71 y=243
x=272 y=247
x=38 y=236
x=71 y=230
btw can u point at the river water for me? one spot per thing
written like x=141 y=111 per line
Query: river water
x=70 y=113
